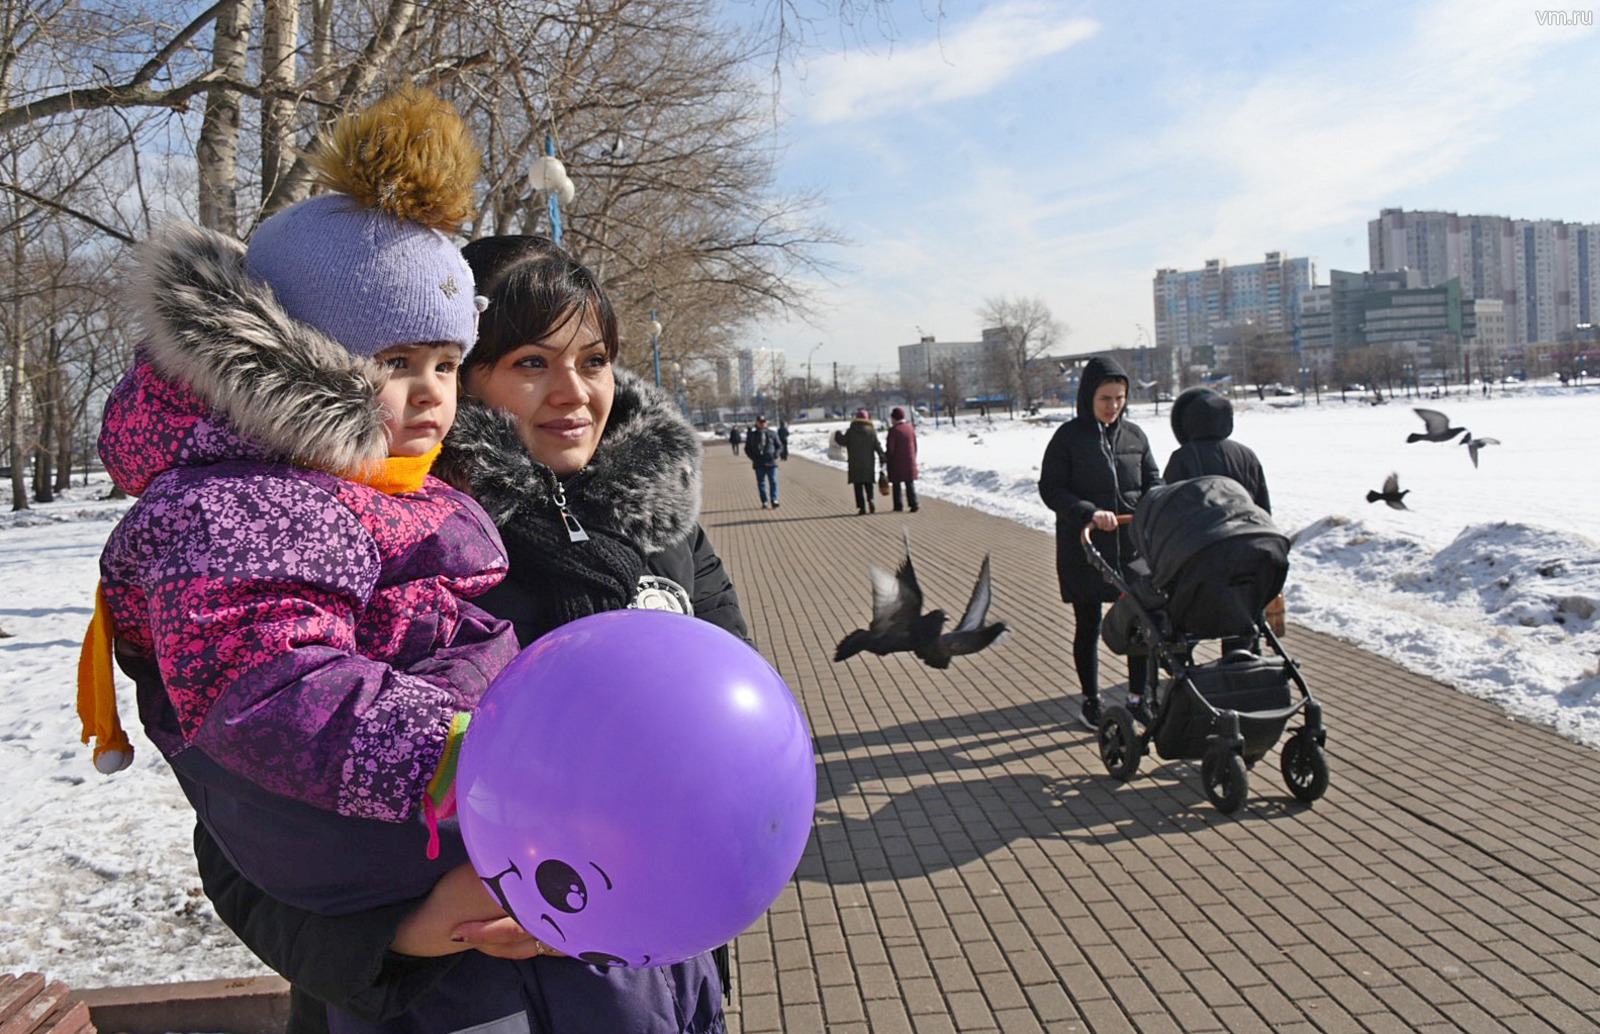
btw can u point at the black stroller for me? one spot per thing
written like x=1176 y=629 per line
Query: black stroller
x=1210 y=561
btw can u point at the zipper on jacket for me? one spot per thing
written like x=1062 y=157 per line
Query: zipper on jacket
x=1116 y=482
x=558 y=495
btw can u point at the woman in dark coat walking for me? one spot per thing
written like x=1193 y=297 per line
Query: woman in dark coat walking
x=1097 y=466
x=900 y=458
x=862 y=451
x=593 y=479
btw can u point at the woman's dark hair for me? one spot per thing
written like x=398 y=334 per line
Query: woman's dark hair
x=533 y=288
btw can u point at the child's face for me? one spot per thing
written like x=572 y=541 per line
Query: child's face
x=419 y=401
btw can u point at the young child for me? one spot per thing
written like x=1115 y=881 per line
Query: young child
x=287 y=592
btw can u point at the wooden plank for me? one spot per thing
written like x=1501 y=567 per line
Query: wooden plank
x=30 y=1014
x=71 y=1018
x=17 y=993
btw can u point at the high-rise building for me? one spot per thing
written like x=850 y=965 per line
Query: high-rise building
x=1545 y=273
x=1191 y=304
x=761 y=373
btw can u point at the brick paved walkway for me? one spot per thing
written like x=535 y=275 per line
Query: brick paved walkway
x=973 y=868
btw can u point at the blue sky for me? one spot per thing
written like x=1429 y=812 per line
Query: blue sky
x=1068 y=150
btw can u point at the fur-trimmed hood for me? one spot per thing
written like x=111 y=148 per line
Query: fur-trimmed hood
x=643 y=483
x=211 y=331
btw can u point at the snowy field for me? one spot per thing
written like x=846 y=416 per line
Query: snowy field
x=1490 y=582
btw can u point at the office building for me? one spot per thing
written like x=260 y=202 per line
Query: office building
x=1544 y=272
x=1191 y=304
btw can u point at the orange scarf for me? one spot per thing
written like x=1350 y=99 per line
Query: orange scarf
x=97 y=693
x=400 y=474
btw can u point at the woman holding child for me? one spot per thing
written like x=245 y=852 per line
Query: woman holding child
x=314 y=719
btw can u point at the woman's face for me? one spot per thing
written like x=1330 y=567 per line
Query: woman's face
x=559 y=388
x=1109 y=398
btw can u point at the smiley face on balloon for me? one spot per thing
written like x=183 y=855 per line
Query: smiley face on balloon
x=564 y=890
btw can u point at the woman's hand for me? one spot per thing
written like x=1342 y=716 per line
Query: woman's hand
x=1104 y=520
x=459 y=915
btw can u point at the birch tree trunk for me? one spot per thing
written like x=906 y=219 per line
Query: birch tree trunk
x=280 y=35
x=217 y=151
x=19 y=379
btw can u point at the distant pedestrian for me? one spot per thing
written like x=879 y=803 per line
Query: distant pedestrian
x=783 y=438
x=900 y=458
x=862 y=451
x=764 y=449
x=735 y=438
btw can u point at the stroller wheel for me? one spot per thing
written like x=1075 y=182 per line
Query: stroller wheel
x=1305 y=767
x=1120 y=747
x=1225 y=779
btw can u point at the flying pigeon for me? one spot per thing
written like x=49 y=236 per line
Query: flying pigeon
x=1439 y=429
x=1392 y=493
x=1474 y=444
x=898 y=623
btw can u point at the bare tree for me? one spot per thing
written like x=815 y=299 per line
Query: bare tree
x=950 y=385
x=1030 y=331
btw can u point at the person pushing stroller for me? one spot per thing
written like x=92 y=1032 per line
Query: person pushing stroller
x=1097 y=466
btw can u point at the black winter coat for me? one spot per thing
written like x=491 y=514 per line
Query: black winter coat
x=639 y=502
x=1091 y=466
x=1202 y=420
x=862 y=451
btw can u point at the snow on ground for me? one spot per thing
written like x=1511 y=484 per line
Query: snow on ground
x=1489 y=583
x=97 y=875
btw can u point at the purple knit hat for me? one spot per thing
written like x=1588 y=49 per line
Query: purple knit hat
x=371 y=263
x=364 y=278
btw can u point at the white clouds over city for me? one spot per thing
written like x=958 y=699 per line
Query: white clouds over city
x=965 y=59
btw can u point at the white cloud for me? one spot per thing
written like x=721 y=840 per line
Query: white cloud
x=1313 y=147
x=968 y=62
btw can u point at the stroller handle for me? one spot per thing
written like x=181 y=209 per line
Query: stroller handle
x=1122 y=518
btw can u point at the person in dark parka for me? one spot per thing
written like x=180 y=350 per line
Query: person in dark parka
x=1202 y=421
x=593 y=479
x=862 y=451
x=1097 y=466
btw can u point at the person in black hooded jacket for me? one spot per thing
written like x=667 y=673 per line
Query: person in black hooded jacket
x=593 y=479
x=1202 y=420
x=1097 y=466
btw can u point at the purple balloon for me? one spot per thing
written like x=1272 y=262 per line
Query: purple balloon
x=637 y=787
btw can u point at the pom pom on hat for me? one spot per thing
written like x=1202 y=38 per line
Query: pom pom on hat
x=371 y=265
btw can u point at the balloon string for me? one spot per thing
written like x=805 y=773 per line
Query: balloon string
x=430 y=817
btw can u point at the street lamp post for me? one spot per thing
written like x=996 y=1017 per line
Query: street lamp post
x=655 y=344
x=809 y=354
